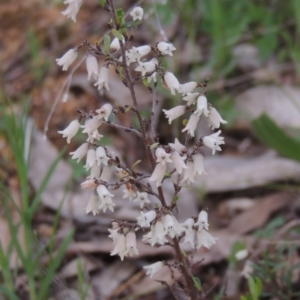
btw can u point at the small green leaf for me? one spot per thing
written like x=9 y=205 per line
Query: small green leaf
x=136 y=163
x=102 y=2
x=145 y=82
x=175 y=199
x=120 y=14
x=153 y=146
x=106 y=44
x=184 y=122
x=197 y=283
x=273 y=136
x=117 y=34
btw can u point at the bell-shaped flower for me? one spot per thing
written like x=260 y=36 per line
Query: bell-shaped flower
x=72 y=10
x=202 y=221
x=174 y=113
x=142 y=199
x=91 y=125
x=114 y=232
x=70 y=131
x=162 y=156
x=201 y=106
x=145 y=219
x=131 y=248
x=90 y=158
x=91 y=66
x=189 y=237
x=106 y=173
x=120 y=246
x=189 y=174
x=67 y=59
x=158 y=174
x=102 y=80
x=152 y=77
x=214 y=119
x=178 y=147
x=105 y=197
x=191 y=98
x=187 y=87
x=199 y=164
x=101 y=156
x=105 y=111
x=178 y=162
x=154 y=268
x=158 y=234
x=115 y=45
x=93 y=204
x=171 y=82
x=165 y=48
x=205 y=239
x=88 y=184
x=146 y=239
x=147 y=67
x=172 y=227
x=95 y=172
x=191 y=124
x=94 y=136
x=213 y=141
x=80 y=152
x=130 y=57
x=137 y=13
x=129 y=193
x=137 y=53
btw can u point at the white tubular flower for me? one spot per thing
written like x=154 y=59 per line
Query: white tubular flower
x=91 y=125
x=189 y=174
x=137 y=13
x=147 y=67
x=93 y=204
x=67 y=59
x=187 y=87
x=102 y=80
x=120 y=246
x=158 y=174
x=80 y=152
x=213 y=141
x=101 y=156
x=214 y=119
x=92 y=66
x=174 y=113
x=142 y=199
x=105 y=111
x=129 y=57
x=201 y=106
x=178 y=147
x=152 y=77
x=70 y=131
x=94 y=136
x=171 y=82
x=136 y=53
x=90 y=159
x=165 y=48
x=131 y=248
x=129 y=193
x=191 y=98
x=72 y=10
x=114 y=232
x=205 y=239
x=147 y=238
x=189 y=237
x=162 y=156
x=202 y=221
x=145 y=219
x=95 y=172
x=115 y=45
x=106 y=174
x=172 y=227
x=158 y=234
x=191 y=124
x=105 y=197
x=154 y=268
x=88 y=184
x=178 y=162
x=199 y=164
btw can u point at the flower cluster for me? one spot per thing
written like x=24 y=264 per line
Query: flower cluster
x=180 y=162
